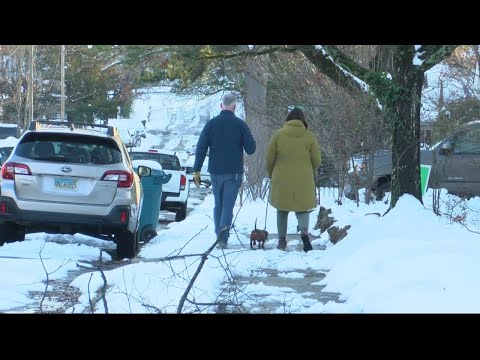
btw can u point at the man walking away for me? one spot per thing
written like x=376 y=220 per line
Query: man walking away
x=227 y=136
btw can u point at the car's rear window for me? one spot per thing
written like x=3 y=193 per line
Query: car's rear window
x=168 y=162
x=69 y=148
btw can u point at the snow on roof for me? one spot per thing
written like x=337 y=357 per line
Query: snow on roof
x=126 y=123
x=8 y=142
x=95 y=131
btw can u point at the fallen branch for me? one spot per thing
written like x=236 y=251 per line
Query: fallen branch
x=92 y=308
x=48 y=274
x=197 y=272
x=104 y=286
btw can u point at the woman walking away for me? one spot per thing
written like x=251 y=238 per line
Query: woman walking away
x=293 y=158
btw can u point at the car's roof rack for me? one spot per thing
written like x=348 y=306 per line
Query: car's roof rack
x=35 y=125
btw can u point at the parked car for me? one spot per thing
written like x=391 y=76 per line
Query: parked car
x=175 y=192
x=9 y=130
x=455 y=162
x=5 y=153
x=71 y=180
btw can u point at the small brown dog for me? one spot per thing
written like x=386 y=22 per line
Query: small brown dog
x=258 y=235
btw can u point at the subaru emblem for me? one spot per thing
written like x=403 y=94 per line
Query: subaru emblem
x=66 y=169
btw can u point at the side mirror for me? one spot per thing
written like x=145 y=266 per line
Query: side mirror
x=446 y=149
x=144 y=171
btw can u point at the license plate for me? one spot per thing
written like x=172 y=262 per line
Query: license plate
x=65 y=184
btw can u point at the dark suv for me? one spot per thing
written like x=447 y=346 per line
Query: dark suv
x=454 y=161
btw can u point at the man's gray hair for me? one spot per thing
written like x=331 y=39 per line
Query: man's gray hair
x=229 y=99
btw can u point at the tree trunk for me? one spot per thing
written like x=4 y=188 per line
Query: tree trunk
x=255 y=103
x=403 y=108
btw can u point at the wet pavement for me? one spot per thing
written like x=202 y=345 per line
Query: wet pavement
x=296 y=286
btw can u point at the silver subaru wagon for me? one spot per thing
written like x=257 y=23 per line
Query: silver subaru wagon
x=62 y=178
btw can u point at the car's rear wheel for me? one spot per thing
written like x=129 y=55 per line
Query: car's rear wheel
x=181 y=214
x=127 y=244
x=11 y=233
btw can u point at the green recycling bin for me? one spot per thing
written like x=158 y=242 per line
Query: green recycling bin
x=152 y=198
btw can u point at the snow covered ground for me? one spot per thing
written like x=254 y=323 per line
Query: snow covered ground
x=407 y=261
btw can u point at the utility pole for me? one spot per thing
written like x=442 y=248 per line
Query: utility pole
x=62 y=102
x=31 y=84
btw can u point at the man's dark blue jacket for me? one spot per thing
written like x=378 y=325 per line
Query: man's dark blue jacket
x=227 y=136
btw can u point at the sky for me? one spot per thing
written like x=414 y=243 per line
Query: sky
x=408 y=261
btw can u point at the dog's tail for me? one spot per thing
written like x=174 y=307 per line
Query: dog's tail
x=255 y=223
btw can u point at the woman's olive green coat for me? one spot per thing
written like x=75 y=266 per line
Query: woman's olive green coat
x=293 y=158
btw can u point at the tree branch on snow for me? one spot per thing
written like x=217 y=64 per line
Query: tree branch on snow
x=232 y=290
x=127 y=295
x=457 y=219
x=142 y=300
x=433 y=54
x=92 y=308
x=103 y=289
x=335 y=64
x=149 y=51
x=284 y=304
x=169 y=257
x=244 y=53
x=64 y=262
x=200 y=266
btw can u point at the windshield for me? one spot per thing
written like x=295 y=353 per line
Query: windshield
x=168 y=162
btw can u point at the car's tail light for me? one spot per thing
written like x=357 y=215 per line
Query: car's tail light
x=3 y=208
x=9 y=170
x=183 y=182
x=123 y=178
x=123 y=217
